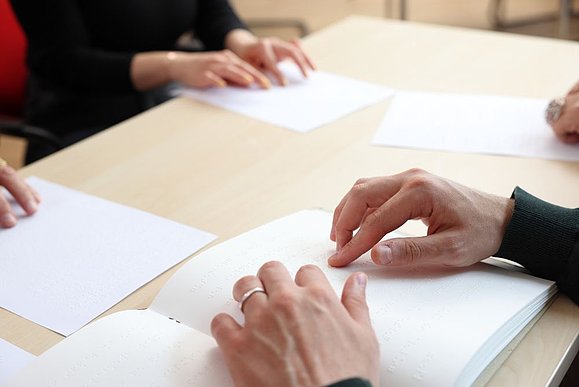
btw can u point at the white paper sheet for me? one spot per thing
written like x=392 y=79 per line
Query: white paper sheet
x=79 y=255
x=472 y=123
x=302 y=105
x=12 y=360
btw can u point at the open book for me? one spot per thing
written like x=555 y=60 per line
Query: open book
x=437 y=327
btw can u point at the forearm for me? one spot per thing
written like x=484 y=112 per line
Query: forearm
x=544 y=239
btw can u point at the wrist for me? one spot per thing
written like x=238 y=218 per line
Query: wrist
x=170 y=61
x=239 y=40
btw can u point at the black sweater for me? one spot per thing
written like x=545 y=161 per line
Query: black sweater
x=80 y=53
x=87 y=45
x=544 y=238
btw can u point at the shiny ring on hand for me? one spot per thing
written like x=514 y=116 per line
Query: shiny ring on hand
x=247 y=295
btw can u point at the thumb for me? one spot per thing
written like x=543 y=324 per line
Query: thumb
x=354 y=298
x=434 y=248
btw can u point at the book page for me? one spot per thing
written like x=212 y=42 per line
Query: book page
x=130 y=348
x=430 y=323
x=79 y=255
x=303 y=105
x=512 y=126
x=12 y=360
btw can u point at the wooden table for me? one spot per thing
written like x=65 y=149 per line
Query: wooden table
x=226 y=173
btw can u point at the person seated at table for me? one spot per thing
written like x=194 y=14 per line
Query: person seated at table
x=96 y=63
x=300 y=334
x=563 y=116
x=24 y=194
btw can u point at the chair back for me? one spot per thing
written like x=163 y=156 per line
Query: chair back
x=13 y=70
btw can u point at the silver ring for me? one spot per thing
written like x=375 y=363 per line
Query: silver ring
x=248 y=294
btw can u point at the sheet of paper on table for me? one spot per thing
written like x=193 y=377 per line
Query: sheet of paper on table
x=12 y=360
x=472 y=123
x=302 y=105
x=79 y=255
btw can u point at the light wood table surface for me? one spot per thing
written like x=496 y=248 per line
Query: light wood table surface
x=225 y=173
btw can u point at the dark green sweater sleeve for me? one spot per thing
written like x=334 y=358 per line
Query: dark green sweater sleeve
x=353 y=382
x=544 y=239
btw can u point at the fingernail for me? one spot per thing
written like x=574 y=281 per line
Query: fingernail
x=31 y=207
x=362 y=280
x=7 y=220
x=266 y=83
x=384 y=254
x=284 y=82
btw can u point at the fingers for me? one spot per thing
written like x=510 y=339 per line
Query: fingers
x=26 y=197
x=7 y=218
x=255 y=300
x=361 y=200
x=213 y=80
x=275 y=277
x=310 y=62
x=224 y=329
x=269 y=62
x=391 y=215
x=312 y=275
x=354 y=298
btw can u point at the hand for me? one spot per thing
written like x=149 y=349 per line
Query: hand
x=299 y=334
x=566 y=127
x=213 y=69
x=265 y=53
x=25 y=195
x=464 y=225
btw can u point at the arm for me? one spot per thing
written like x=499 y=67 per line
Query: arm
x=544 y=238
x=464 y=227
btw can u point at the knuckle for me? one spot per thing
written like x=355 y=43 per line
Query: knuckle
x=321 y=295
x=269 y=266
x=361 y=180
x=245 y=283
x=412 y=252
x=285 y=302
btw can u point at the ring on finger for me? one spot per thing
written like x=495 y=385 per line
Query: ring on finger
x=247 y=295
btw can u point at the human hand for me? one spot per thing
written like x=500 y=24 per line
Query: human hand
x=25 y=195
x=265 y=53
x=464 y=225
x=299 y=334
x=566 y=126
x=213 y=69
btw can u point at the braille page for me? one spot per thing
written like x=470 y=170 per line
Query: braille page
x=130 y=348
x=302 y=105
x=79 y=255
x=429 y=322
x=12 y=360
x=472 y=123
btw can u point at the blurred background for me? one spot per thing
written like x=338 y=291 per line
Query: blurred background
x=297 y=18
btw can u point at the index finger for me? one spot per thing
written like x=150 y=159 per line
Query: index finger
x=391 y=215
